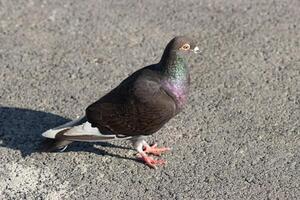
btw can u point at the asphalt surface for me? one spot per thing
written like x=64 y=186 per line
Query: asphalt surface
x=238 y=138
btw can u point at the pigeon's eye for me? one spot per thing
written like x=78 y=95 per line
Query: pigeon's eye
x=185 y=47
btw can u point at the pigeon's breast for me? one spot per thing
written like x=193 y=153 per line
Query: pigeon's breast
x=178 y=91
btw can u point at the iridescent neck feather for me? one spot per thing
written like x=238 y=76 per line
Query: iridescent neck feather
x=174 y=67
x=176 y=73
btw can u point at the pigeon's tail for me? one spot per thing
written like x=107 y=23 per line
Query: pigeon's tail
x=51 y=133
x=52 y=141
x=78 y=130
x=49 y=145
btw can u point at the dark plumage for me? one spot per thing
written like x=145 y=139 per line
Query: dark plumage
x=138 y=107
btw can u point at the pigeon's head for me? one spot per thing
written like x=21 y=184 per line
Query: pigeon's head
x=183 y=45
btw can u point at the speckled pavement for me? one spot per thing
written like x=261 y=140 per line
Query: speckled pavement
x=238 y=138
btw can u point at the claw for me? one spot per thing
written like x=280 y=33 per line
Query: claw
x=151 y=162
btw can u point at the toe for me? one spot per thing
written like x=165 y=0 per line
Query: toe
x=151 y=162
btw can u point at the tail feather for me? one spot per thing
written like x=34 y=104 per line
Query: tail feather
x=51 y=133
x=49 y=145
x=77 y=130
x=52 y=142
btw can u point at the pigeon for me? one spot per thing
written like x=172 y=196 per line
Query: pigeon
x=138 y=107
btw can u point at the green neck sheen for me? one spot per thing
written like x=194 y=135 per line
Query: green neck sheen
x=177 y=69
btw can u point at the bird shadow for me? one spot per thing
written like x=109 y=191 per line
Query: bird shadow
x=20 y=129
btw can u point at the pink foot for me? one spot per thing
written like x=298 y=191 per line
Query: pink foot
x=154 y=150
x=151 y=162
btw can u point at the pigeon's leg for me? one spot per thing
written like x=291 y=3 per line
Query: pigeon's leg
x=153 y=149
x=151 y=162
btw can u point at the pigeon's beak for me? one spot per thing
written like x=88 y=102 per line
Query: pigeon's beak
x=196 y=50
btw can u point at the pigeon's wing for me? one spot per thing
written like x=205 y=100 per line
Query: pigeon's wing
x=138 y=106
x=155 y=106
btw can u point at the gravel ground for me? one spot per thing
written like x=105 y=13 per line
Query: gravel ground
x=238 y=138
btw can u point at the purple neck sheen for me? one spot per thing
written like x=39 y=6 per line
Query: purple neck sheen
x=178 y=90
x=176 y=75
